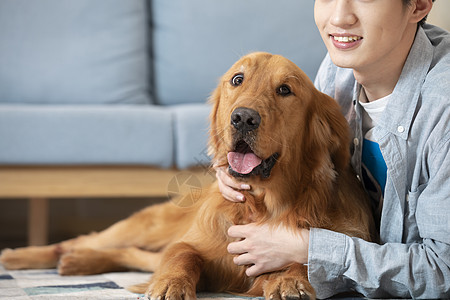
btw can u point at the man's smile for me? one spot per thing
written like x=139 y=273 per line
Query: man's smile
x=345 y=41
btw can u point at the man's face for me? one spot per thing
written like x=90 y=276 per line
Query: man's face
x=360 y=34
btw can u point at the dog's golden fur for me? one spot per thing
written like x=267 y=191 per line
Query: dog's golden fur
x=310 y=185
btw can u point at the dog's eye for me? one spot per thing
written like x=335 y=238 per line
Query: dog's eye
x=283 y=90
x=237 y=79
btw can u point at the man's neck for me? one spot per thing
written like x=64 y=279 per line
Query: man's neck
x=380 y=79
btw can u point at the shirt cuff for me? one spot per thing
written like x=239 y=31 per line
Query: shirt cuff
x=326 y=257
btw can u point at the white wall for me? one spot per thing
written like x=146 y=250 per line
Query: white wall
x=439 y=15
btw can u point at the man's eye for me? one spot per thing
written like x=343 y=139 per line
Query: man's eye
x=237 y=79
x=283 y=90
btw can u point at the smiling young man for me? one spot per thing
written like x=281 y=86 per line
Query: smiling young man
x=391 y=76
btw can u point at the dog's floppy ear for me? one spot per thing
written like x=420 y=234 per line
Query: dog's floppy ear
x=214 y=100
x=340 y=133
x=328 y=136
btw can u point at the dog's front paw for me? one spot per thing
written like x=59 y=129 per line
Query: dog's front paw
x=29 y=258
x=11 y=259
x=171 y=288
x=288 y=288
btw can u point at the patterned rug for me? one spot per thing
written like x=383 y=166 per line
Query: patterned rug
x=47 y=284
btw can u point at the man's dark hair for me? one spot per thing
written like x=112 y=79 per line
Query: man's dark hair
x=408 y=2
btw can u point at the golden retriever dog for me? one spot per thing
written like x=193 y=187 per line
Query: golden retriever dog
x=273 y=130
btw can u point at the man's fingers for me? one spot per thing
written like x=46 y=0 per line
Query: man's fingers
x=226 y=179
x=253 y=270
x=236 y=247
x=230 y=194
x=244 y=259
x=228 y=186
x=239 y=231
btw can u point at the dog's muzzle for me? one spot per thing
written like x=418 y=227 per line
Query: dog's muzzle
x=243 y=162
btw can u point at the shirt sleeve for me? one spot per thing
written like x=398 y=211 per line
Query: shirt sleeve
x=420 y=270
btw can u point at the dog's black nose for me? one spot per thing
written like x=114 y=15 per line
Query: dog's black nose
x=245 y=119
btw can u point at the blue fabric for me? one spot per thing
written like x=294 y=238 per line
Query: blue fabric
x=374 y=161
x=191 y=126
x=67 y=52
x=196 y=41
x=86 y=134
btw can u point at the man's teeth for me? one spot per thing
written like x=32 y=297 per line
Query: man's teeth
x=346 y=39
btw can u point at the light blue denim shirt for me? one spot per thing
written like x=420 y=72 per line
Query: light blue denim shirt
x=413 y=259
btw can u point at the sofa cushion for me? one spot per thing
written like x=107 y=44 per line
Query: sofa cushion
x=191 y=125
x=83 y=51
x=86 y=134
x=196 y=41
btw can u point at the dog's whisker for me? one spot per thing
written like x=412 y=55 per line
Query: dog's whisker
x=277 y=142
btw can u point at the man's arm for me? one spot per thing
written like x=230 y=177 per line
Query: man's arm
x=420 y=270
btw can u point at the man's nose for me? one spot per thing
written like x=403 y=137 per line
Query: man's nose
x=343 y=14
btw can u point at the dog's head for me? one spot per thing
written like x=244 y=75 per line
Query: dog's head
x=267 y=115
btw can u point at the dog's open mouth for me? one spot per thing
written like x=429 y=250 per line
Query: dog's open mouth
x=243 y=162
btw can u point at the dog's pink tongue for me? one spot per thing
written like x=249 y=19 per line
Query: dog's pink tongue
x=243 y=163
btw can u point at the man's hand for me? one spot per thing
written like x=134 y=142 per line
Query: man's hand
x=228 y=186
x=268 y=249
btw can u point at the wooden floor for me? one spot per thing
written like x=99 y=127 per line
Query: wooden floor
x=39 y=184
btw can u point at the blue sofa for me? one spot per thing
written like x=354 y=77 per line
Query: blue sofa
x=114 y=82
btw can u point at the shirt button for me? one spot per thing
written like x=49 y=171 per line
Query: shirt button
x=355 y=142
x=400 y=129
